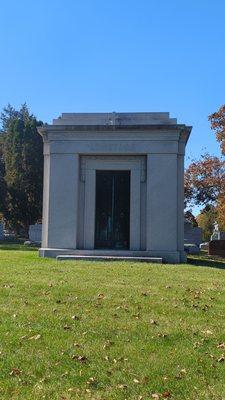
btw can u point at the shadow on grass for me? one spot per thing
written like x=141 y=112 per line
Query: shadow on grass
x=16 y=245
x=206 y=262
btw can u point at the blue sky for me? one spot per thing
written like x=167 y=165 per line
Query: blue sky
x=103 y=55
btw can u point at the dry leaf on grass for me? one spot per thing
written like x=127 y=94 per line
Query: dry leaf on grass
x=221 y=346
x=108 y=344
x=81 y=359
x=166 y=394
x=15 y=372
x=66 y=327
x=35 y=337
x=122 y=386
x=75 y=317
x=207 y=332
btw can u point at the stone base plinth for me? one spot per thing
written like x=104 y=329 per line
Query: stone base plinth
x=171 y=257
x=154 y=260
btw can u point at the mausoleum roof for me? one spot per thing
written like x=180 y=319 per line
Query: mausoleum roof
x=116 y=119
x=130 y=126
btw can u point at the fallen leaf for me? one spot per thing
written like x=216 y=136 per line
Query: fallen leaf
x=23 y=337
x=207 y=332
x=75 y=317
x=166 y=394
x=66 y=327
x=221 y=359
x=122 y=386
x=36 y=337
x=92 y=381
x=81 y=359
x=15 y=372
x=107 y=344
x=153 y=322
x=221 y=346
x=71 y=390
x=65 y=374
x=136 y=380
x=155 y=396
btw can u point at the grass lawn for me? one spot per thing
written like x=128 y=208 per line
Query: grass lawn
x=101 y=330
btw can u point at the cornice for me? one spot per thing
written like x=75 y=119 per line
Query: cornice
x=105 y=132
x=110 y=128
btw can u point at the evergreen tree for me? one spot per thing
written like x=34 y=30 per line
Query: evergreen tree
x=3 y=188
x=23 y=164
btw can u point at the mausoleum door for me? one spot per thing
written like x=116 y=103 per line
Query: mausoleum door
x=112 y=214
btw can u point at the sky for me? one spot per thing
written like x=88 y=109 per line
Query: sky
x=103 y=56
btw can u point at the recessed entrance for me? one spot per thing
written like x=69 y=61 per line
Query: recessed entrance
x=112 y=213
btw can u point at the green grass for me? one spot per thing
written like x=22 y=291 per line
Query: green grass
x=101 y=330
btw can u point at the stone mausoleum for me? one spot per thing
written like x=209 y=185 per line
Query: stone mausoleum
x=113 y=186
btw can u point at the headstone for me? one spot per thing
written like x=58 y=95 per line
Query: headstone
x=217 y=248
x=28 y=243
x=204 y=246
x=192 y=234
x=1 y=232
x=191 y=248
x=217 y=234
x=35 y=233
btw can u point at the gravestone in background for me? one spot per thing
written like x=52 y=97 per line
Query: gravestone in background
x=217 y=248
x=217 y=234
x=35 y=233
x=192 y=235
x=204 y=246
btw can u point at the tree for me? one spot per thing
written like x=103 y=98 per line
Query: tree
x=205 y=185
x=23 y=164
x=217 y=120
x=3 y=187
x=205 y=181
x=206 y=220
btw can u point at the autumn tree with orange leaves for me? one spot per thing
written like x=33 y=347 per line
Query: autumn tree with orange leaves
x=204 y=181
x=205 y=178
x=217 y=120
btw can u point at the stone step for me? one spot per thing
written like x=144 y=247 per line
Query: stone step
x=67 y=257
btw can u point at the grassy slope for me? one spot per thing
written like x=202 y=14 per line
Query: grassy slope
x=125 y=355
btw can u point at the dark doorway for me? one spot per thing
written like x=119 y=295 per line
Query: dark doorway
x=112 y=213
